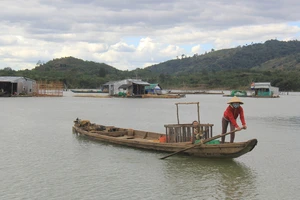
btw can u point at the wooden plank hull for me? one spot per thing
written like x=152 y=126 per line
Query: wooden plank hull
x=252 y=96
x=87 y=91
x=149 y=141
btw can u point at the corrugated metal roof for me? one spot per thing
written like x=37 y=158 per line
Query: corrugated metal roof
x=128 y=82
x=12 y=79
x=140 y=82
x=109 y=83
x=262 y=85
x=124 y=86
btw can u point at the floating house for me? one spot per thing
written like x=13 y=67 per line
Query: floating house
x=105 y=87
x=14 y=85
x=264 y=89
x=153 y=89
x=128 y=87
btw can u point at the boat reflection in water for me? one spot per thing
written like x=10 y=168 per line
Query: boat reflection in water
x=212 y=178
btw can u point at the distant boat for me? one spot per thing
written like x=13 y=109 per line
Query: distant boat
x=87 y=91
x=194 y=92
x=237 y=93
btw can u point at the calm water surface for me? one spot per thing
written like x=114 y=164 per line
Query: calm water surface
x=42 y=159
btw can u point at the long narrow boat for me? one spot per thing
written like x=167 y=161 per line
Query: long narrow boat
x=178 y=137
x=87 y=91
x=151 y=141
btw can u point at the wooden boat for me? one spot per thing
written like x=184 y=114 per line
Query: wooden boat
x=252 y=96
x=178 y=137
x=87 y=91
x=238 y=93
x=193 y=92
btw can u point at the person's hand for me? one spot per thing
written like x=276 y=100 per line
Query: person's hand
x=244 y=127
x=238 y=128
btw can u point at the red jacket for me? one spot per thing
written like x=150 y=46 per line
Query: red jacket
x=231 y=114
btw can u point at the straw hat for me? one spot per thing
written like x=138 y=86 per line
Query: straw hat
x=235 y=100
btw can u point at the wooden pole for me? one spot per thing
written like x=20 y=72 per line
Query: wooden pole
x=177 y=114
x=198 y=110
x=187 y=103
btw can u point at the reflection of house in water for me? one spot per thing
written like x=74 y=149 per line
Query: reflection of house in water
x=14 y=85
x=264 y=89
x=131 y=87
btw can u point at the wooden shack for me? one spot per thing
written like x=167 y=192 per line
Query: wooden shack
x=264 y=89
x=15 y=86
x=130 y=87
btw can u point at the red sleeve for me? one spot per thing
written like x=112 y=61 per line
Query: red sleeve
x=242 y=116
x=228 y=114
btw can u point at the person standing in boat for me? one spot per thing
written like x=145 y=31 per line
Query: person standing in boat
x=230 y=115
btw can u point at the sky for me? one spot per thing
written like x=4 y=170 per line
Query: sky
x=130 y=34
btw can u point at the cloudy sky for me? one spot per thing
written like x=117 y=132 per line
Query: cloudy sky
x=129 y=34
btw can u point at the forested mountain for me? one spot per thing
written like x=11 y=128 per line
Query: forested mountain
x=271 y=55
x=274 y=61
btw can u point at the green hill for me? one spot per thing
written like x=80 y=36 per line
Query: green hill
x=274 y=61
x=273 y=54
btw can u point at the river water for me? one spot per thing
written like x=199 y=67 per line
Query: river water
x=42 y=159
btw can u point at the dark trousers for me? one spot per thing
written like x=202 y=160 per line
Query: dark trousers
x=225 y=124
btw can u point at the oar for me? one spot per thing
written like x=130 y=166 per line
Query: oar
x=203 y=142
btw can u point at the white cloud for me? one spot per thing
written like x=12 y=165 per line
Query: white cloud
x=147 y=45
x=122 y=47
x=96 y=30
x=172 y=50
x=196 y=49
